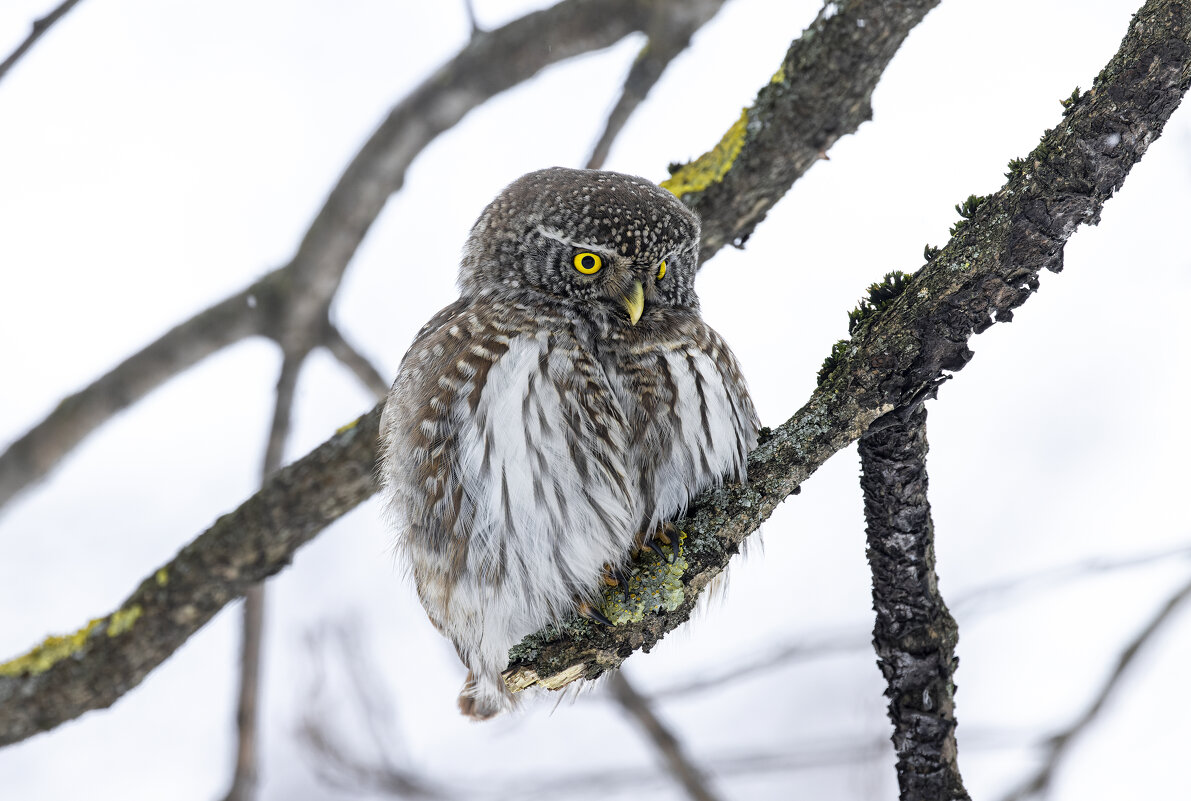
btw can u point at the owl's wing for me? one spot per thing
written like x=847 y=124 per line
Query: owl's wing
x=505 y=458
x=697 y=422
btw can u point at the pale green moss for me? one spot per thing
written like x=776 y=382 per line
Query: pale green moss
x=713 y=165
x=653 y=585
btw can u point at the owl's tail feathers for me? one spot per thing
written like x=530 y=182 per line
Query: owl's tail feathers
x=485 y=697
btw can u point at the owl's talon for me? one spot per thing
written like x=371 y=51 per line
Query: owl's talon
x=588 y=611
x=653 y=546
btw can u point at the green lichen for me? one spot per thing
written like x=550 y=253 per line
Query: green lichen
x=162 y=576
x=51 y=651
x=713 y=165
x=654 y=584
x=54 y=649
x=780 y=75
x=124 y=619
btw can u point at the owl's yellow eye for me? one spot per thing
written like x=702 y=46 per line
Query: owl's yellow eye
x=588 y=263
x=662 y=270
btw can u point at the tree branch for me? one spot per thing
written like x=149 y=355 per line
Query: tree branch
x=915 y=635
x=989 y=268
x=820 y=93
x=291 y=303
x=680 y=767
x=40 y=26
x=669 y=35
x=1058 y=745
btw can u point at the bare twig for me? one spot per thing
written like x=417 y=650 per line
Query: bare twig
x=914 y=635
x=989 y=268
x=291 y=303
x=40 y=26
x=1058 y=745
x=247 y=772
x=641 y=710
x=355 y=361
x=334 y=764
x=669 y=35
x=470 y=8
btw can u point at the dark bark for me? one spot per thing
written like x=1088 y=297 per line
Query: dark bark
x=915 y=635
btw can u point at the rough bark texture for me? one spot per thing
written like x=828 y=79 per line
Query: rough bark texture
x=989 y=268
x=915 y=635
x=821 y=92
x=90 y=669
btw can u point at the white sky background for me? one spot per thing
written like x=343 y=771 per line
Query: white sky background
x=156 y=157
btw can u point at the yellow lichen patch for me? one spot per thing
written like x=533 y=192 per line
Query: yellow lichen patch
x=654 y=585
x=348 y=427
x=713 y=165
x=123 y=619
x=780 y=75
x=51 y=651
x=162 y=576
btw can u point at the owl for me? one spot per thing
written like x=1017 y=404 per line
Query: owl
x=569 y=404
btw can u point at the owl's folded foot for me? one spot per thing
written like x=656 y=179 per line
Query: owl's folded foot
x=588 y=611
x=615 y=576
x=666 y=534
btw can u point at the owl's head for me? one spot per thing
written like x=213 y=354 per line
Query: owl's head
x=620 y=246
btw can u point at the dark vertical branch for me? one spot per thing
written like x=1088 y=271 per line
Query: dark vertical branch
x=680 y=767
x=40 y=26
x=244 y=782
x=914 y=635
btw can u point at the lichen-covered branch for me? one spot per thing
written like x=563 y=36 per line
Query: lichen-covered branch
x=989 y=268
x=895 y=357
x=66 y=676
x=914 y=635
x=291 y=304
x=820 y=93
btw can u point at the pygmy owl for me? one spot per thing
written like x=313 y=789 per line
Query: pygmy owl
x=570 y=402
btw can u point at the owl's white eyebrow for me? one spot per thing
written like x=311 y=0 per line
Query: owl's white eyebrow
x=559 y=236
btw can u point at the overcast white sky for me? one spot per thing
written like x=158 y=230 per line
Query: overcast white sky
x=155 y=157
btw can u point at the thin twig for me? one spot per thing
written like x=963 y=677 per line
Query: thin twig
x=292 y=301
x=40 y=26
x=469 y=6
x=355 y=361
x=849 y=640
x=1058 y=745
x=247 y=771
x=641 y=710
x=669 y=35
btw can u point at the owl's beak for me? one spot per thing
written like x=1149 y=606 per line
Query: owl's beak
x=634 y=302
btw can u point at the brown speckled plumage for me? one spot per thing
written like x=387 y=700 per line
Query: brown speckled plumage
x=534 y=430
